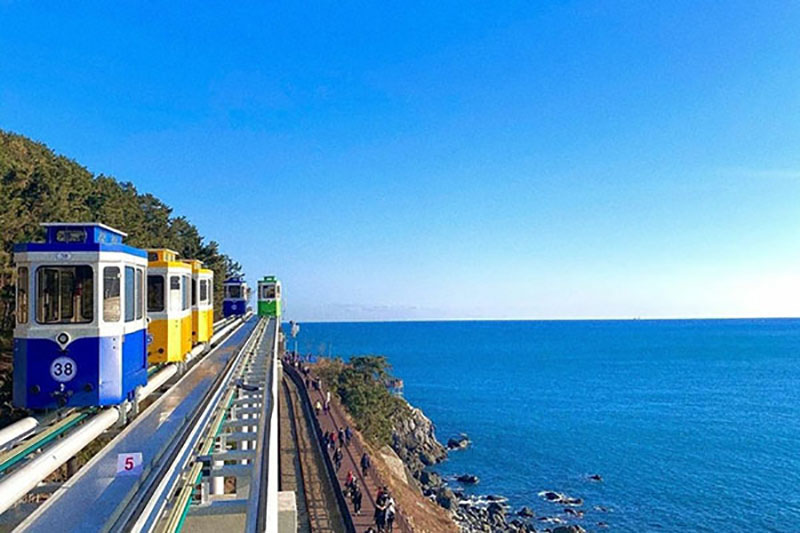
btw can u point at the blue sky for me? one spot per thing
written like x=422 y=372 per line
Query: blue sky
x=445 y=159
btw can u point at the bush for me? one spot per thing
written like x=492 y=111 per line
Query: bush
x=361 y=385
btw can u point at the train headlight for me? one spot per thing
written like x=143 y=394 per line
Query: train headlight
x=63 y=338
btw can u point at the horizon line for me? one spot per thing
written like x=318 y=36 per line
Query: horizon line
x=582 y=319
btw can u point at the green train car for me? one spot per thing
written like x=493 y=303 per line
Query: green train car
x=269 y=297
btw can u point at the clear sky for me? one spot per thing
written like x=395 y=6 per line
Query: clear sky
x=395 y=160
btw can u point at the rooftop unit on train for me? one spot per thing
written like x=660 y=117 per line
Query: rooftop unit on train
x=235 y=297
x=80 y=335
x=269 y=297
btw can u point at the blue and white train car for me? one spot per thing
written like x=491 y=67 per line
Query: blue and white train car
x=81 y=328
x=235 y=295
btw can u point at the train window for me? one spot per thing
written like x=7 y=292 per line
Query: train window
x=194 y=292
x=111 y=299
x=64 y=295
x=185 y=293
x=139 y=294
x=269 y=291
x=234 y=291
x=277 y=291
x=155 y=294
x=204 y=290
x=175 y=293
x=66 y=299
x=22 y=295
x=152 y=256
x=130 y=295
x=86 y=292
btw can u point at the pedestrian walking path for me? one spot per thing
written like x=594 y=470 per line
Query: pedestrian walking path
x=332 y=420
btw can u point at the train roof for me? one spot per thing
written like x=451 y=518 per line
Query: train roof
x=80 y=237
x=83 y=225
x=235 y=281
x=269 y=279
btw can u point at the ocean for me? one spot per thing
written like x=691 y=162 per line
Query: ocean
x=694 y=425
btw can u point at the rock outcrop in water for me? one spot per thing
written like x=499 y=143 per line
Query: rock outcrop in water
x=458 y=443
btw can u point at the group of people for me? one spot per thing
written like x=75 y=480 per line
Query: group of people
x=333 y=442
x=385 y=512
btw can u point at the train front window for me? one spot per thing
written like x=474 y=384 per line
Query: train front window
x=64 y=295
x=22 y=295
x=111 y=299
x=234 y=291
x=203 y=290
x=155 y=294
x=268 y=292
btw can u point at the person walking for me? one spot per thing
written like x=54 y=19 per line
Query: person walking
x=380 y=516
x=337 y=458
x=341 y=437
x=318 y=408
x=390 y=512
x=365 y=464
x=348 y=434
x=356 y=499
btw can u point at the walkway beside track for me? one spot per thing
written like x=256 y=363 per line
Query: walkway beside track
x=94 y=499
x=369 y=484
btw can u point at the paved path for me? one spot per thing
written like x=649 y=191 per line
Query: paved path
x=332 y=421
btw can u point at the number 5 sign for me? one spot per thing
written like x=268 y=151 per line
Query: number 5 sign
x=129 y=464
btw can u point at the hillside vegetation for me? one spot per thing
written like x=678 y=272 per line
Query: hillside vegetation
x=361 y=386
x=37 y=185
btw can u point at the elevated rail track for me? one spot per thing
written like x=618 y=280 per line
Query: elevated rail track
x=200 y=447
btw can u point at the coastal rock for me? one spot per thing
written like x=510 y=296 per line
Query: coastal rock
x=428 y=478
x=446 y=498
x=596 y=477
x=468 y=479
x=414 y=441
x=427 y=458
x=572 y=528
x=395 y=464
x=458 y=443
x=557 y=497
x=526 y=512
x=497 y=514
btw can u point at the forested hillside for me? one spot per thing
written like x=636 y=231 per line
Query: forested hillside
x=36 y=185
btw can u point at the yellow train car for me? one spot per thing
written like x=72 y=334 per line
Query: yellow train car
x=168 y=307
x=202 y=301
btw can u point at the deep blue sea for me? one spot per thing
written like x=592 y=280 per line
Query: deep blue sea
x=694 y=425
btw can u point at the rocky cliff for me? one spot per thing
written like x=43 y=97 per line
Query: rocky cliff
x=414 y=441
